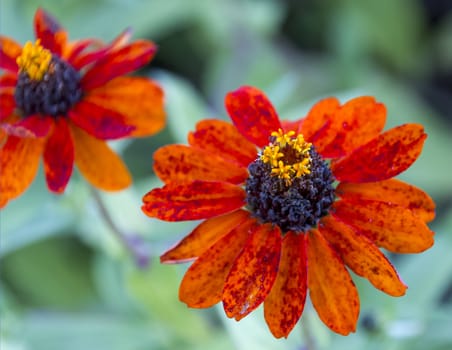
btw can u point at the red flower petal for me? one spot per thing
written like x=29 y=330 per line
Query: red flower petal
x=184 y=163
x=354 y=124
x=202 y=285
x=392 y=191
x=19 y=162
x=138 y=100
x=289 y=125
x=362 y=256
x=252 y=114
x=383 y=157
x=331 y=289
x=7 y=102
x=99 y=122
x=204 y=236
x=33 y=126
x=119 y=62
x=53 y=36
x=8 y=80
x=193 y=201
x=316 y=127
x=9 y=51
x=101 y=167
x=59 y=157
x=223 y=139
x=390 y=226
x=285 y=303
x=253 y=273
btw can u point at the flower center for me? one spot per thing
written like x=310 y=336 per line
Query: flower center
x=289 y=184
x=46 y=84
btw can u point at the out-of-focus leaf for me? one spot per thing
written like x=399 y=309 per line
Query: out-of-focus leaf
x=183 y=104
x=35 y=215
x=91 y=331
x=155 y=292
x=52 y=273
x=252 y=332
x=388 y=29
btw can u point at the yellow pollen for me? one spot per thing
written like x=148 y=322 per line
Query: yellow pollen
x=288 y=155
x=34 y=60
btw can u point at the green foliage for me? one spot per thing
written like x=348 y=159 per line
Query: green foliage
x=66 y=281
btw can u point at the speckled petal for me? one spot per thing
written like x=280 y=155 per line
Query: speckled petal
x=355 y=123
x=362 y=256
x=223 y=139
x=253 y=114
x=202 y=285
x=193 y=200
x=173 y=163
x=390 y=226
x=316 y=127
x=392 y=191
x=383 y=157
x=285 y=303
x=204 y=236
x=331 y=289
x=253 y=273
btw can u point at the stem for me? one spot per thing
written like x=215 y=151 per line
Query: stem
x=133 y=244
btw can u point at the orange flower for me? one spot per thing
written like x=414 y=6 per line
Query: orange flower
x=62 y=99
x=277 y=223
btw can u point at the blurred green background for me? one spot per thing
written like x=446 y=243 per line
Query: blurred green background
x=67 y=283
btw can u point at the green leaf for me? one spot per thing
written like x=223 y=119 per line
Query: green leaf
x=155 y=291
x=52 y=273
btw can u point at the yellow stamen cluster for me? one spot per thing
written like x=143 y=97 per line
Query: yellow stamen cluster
x=34 y=60
x=285 y=144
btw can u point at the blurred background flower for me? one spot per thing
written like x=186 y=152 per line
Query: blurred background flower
x=68 y=284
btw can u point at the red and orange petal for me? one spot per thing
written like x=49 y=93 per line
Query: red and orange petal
x=204 y=236
x=53 y=37
x=331 y=289
x=390 y=226
x=203 y=283
x=7 y=102
x=253 y=272
x=19 y=163
x=222 y=138
x=118 y=62
x=33 y=126
x=362 y=256
x=179 y=163
x=337 y=130
x=193 y=200
x=100 y=166
x=139 y=101
x=9 y=51
x=383 y=157
x=391 y=191
x=98 y=121
x=285 y=303
x=253 y=114
x=59 y=157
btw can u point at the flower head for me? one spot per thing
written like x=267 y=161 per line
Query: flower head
x=62 y=100
x=287 y=206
